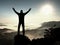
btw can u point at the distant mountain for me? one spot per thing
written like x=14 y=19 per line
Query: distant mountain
x=50 y=24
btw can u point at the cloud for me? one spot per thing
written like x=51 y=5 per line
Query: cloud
x=7 y=38
x=33 y=33
x=5 y=30
x=2 y=24
x=15 y=26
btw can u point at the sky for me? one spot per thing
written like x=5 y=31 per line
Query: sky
x=42 y=11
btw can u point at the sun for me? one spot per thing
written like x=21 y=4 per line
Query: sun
x=46 y=9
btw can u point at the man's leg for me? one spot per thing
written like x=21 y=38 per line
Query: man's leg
x=23 y=27
x=19 y=28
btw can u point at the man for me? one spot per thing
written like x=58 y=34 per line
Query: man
x=21 y=16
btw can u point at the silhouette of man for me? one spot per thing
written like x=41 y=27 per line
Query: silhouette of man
x=21 y=19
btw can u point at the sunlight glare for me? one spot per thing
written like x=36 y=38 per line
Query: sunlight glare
x=46 y=9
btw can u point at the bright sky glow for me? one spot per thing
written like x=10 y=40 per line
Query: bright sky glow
x=42 y=11
x=46 y=9
x=33 y=20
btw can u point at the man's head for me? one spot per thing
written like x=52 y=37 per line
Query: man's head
x=21 y=11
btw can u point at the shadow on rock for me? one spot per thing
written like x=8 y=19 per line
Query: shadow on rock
x=21 y=40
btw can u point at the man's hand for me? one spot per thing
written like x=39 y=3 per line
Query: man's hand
x=13 y=8
x=30 y=9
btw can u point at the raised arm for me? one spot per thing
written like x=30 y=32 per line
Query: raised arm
x=28 y=11
x=15 y=10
